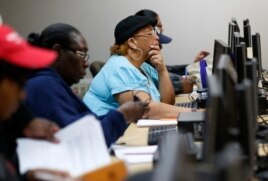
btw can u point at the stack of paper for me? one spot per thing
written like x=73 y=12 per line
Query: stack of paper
x=82 y=148
x=135 y=155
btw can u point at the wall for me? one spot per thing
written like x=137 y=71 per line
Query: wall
x=192 y=24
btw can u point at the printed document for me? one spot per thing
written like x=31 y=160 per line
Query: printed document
x=82 y=148
x=156 y=122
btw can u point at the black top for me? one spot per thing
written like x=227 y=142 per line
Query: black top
x=10 y=130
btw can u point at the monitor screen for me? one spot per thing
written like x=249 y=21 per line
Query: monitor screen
x=256 y=46
x=174 y=162
x=240 y=60
x=251 y=66
x=219 y=48
x=221 y=115
x=228 y=78
x=246 y=137
x=237 y=38
x=213 y=114
x=237 y=29
x=247 y=33
x=233 y=34
x=231 y=31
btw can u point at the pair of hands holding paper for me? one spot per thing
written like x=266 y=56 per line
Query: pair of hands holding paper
x=40 y=128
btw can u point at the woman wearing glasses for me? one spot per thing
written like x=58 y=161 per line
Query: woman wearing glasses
x=180 y=84
x=48 y=90
x=126 y=71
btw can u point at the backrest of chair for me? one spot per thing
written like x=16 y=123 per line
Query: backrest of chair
x=95 y=67
x=177 y=69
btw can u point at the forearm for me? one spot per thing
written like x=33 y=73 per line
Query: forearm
x=166 y=88
x=160 y=110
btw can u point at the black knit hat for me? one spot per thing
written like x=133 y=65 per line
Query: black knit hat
x=128 y=26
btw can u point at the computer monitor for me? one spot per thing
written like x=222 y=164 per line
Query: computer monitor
x=219 y=48
x=247 y=33
x=231 y=30
x=251 y=66
x=256 y=46
x=174 y=162
x=213 y=114
x=221 y=114
x=237 y=38
x=228 y=78
x=240 y=61
x=237 y=29
x=246 y=136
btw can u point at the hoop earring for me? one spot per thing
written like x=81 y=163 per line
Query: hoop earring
x=136 y=58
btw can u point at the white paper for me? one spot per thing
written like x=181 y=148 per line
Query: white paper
x=82 y=148
x=155 y=122
x=135 y=155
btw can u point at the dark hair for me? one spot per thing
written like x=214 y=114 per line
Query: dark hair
x=58 y=33
x=13 y=72
x=148 y=13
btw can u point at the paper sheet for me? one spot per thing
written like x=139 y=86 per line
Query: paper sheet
x=82 y=148
x=156 y=122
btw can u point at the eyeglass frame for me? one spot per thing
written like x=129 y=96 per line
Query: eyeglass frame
x=80 y=54
x=151 y=33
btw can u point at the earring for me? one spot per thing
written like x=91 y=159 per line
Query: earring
x=136 y=58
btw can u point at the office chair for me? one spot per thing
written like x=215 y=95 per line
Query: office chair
x=95 y=67
x=177 y=69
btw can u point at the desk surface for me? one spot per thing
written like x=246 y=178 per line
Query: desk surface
x=134 y=136
x=137 y=136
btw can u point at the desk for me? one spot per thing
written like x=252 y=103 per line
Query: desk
x=139 y=136
x=136 y=136
x=182 y=98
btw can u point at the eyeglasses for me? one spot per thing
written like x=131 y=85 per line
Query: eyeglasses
x=80 y=54
x=153 y=32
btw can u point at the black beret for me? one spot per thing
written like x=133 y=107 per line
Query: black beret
x=128 y=26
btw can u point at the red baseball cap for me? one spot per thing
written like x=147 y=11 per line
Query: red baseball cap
x=16 y=50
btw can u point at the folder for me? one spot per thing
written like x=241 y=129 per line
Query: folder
x=116 y=171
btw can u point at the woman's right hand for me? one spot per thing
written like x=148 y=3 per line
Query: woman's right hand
x=133 y=110
x=156 y=58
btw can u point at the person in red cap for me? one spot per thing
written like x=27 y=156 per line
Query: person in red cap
x=17 y=60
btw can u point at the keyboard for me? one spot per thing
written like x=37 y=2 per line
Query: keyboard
x=193 y=104
x=156 y=133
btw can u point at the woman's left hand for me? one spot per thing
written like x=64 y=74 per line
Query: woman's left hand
x=156 y=58
x=201 y=55
x=40 y=128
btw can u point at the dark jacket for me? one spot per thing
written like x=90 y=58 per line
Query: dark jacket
x=49 y=96
x=10 y=130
